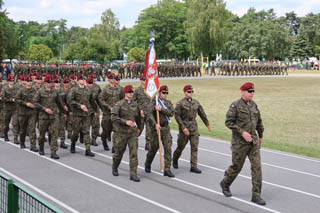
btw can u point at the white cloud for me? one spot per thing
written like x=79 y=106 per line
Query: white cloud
x=45 y=3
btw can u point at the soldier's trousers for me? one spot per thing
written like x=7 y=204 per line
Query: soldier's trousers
x=81 y=124
x=166 y=139
x=106 y=126
x=26 y=125
x=239 y=154
x=8 y=116
x=34 y=122
x=121 y=142
x=95 y=126
x=148 y=131
x=62 y=127
x=182 y=142
x=69 y=124
x=52 y=127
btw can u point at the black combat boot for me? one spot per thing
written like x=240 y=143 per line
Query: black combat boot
x=225 y=189
x=113 y=150
x=41 y=149
x=34 y=149
x=54 y=155
x=15 y=140
x=93 y=142
x=22 y=145
x=81 y=138
x=73 y=147
x=175 y=164
x=168 y=173
x=109 y=138
x=1 y=135
x=258 y=200
x=69 y=135
x=195 y=170
x=135 y=178
x=147 y=168
x=115 y=172
x=105 y=145
x=63 y=145
x=89 y=153
x=6 y=138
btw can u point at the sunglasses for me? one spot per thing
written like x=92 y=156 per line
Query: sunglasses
x=250 y=91
x=130 y=91
x=165 y=93
x=190 y=91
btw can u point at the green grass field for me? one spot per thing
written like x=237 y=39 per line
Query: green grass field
x=289 y=107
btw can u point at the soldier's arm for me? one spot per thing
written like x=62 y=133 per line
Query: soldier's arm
x=93 y=103
x=169 y=111
x=36 y=100
x=115 y=114
x=177 y=115
x=19 y=98
x=231 y=119
x=72 y=101
x=5 y=97
x=203 y=115
x=102 y=100
x=139 y=121
x=259 y=127
x=60 y=103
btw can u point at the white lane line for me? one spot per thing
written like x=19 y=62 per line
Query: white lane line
x=103 y=181
x=263 y=149
x=39 y=191
x=247 y=177
x=191 y=184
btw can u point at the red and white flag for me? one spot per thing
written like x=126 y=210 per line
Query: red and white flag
x=151 y=71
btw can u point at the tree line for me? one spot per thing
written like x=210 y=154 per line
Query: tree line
x=184 y=30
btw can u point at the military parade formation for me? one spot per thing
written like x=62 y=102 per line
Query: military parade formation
x=50 y=107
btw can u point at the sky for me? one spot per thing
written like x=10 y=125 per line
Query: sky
x=86 y=13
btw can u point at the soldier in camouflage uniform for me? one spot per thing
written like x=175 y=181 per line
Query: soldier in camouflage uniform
x=185 y=114
x=24 y=98
x=49 y=104
x=81 y=100
x=127 y=121
x=8 y=94
x=244 y=119
x=143 y=102
x=1 y=111
x=166 y=110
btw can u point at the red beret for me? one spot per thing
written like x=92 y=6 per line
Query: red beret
x=92 y=75
x=163 y=88
x=90 y=81
x=21 y=77
x=0 y=79
x=48 y=79
x=72 y=76
x=187 y=87
x=127 y=88
x=142 y=77
x=43 y=75
x=81 y=77
x=28 y=78
x=111 y=76
x=34 y=74
x=38 y=77
x=247 y=86
x=56 y=80
x=117 y=77
x=66 y=81
x=10 y=78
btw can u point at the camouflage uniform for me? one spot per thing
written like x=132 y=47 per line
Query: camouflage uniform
x=24 y=96
x=1 y=112
x=185 y=114
x=245 y=117
x=95 y=120
x=62 y=121
x=166 y=137
x=48 y=123
x=125 y=135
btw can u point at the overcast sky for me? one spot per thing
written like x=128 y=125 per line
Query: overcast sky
x=85 y=13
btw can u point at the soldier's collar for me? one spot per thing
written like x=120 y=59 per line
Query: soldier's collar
x=189 y=99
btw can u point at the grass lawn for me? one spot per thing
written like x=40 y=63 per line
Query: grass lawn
x=290 y=109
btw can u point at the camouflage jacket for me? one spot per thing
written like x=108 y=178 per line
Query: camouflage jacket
x=81 y=96
x=48 y=99
x=8 y=97
x=109 y=97
x=141 y=98
x=164 y=114
x=186 y=112
x=96 y=90
x=23 y=97
x=244 y=117
x=123 y=111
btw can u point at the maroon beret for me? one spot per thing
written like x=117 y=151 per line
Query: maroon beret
x=66 y=81
x=56 y=80
x=127 y=88
x=48 y=79
x=33 y=73
x=142 y=77
x=21 y=77
x=72 y=76
x=111 y=76
x=38 y=77
x=28 y=78
x=81 y=77
x=247 y=86
x=117 y=77
x=92 y=75
x=164 y=88
x=10 y=78
x=187 y=87
x=43 y=75
x=90 y=81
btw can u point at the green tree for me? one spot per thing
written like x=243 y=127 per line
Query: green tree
x=136 y=55
x=40 y=52
x=301 y=48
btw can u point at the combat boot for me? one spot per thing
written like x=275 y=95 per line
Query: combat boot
x=41 y=150
x=15 y=140
x=135 y=178
x=54 y=155
x=63 y=145
x=115 y=172
x=258 y=200
x=1 y=135
x=175 y=164
x=195 y=170
x=168 y=173
x=147 y=168
x=105 y=145
x=109 y=138
x=89 y=153
x=6 y=138
x=113 y=150
x=93 y=142
x=81 y=139
x=73 y=147
x=34 y=149
x=225 y=189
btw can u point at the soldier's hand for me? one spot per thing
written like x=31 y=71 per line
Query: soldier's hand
x=260 y=140
x=158 y=127
x=65 y=117
x=186 y=132
x=138 y=132
x=70 y=113
x=95 y=114
x=66 y=108
x=84 y=108
x=49 y=111
x=130 y=123
x=247 y=136
x=158 y=108
x=142 y=113
x=209 y=128
x=30 y=105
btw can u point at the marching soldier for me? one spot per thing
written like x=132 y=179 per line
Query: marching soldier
x=185 y=114
x=1 y=111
